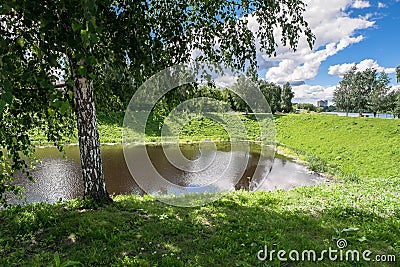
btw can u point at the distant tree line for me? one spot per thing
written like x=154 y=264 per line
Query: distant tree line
x=306 y=106
x=118 y=90
x=278 y=97
x=366 y=91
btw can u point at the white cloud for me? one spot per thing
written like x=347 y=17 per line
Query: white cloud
x=312 y=93
x=361 y=4
x=341 y=69
x=395 y=87
x=227 y=80
x=335 y=30
x=381 y=5
x=307 y=67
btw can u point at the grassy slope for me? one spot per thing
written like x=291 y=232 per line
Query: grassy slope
x=110 y=129
x=365 y=147
x=230 y=232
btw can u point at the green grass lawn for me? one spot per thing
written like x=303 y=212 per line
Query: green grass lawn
x=110 y=129
x=362 y=205
x=364 y=147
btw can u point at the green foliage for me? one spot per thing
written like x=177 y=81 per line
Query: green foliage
x=393 y=103
x=279 y=98
x=378 y=99
x=343 y=92
x=41 y=49
x=306 y=106
x=273 y=95
x=29 y=104
x=396 y=110
x=272 y=92
x=184 y=93
x=121 y=43
x=362 y=90
x=287 y=96
x=151 y=41
x=113 y=88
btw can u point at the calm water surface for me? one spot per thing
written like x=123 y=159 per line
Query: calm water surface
x=59 y=177
x=370 y=115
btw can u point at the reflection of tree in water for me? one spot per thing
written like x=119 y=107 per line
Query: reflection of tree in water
x=228 y=169
x=68 y=183
x=258 y=167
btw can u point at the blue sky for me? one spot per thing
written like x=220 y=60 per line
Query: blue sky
x=347 y=32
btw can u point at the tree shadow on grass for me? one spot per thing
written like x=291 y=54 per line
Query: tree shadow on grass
x=229 y=232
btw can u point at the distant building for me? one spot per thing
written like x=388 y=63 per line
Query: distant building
x=322 y=103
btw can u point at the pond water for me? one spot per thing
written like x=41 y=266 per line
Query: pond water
x=370 y=115
x=58 y=177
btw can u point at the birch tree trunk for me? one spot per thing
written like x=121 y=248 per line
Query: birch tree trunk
x=89 y=142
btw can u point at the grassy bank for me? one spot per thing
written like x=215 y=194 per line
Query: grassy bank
x=363 y=207
x=110 y=130
x=111 y=127
x=360 y=147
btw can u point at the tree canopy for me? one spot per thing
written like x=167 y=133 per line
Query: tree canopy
x=362 y=90
x=287 y=96
x=75 y=41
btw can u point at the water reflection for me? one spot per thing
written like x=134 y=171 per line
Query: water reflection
x=57 y=177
